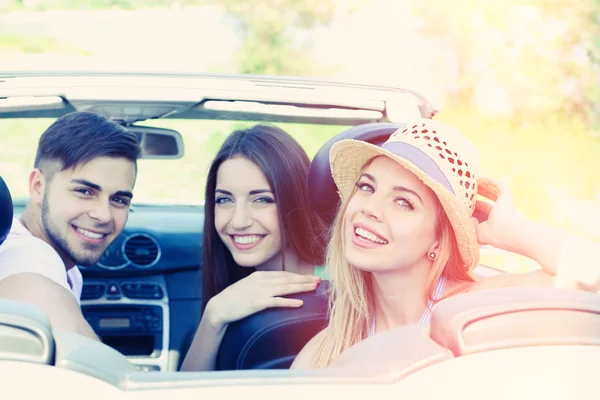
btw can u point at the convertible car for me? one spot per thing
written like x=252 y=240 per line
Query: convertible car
x=143 y=297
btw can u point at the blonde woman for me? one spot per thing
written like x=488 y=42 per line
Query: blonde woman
x=405 y=236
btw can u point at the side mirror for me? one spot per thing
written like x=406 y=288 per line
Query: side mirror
x=158 y=143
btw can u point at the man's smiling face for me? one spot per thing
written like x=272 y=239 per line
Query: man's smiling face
x=86 y=207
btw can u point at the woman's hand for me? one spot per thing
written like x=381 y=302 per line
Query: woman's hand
x=259 y=291
x=565 y=257
x=498 y=224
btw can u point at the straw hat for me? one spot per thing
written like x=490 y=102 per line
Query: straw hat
x=443 y=158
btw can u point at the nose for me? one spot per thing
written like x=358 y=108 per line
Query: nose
x=241 y=217
x=371 y=208
x=101 y=211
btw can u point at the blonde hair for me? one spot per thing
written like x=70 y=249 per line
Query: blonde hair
x=351 y=301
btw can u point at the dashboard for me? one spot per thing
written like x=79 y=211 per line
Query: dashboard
x=143 y=297
x=155 y=239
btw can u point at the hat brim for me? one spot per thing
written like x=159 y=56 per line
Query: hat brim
x=347 y=159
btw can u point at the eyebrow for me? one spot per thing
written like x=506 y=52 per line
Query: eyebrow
x=396 y=188
x=124 y=193
x=252 y=192
x=260 y=191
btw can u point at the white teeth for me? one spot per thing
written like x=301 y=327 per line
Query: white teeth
x=369 y=236
x=91 y=235
x=247 y=239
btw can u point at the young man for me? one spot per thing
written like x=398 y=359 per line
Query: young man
x=80 y=192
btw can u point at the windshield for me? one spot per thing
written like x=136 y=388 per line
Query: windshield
x=177 y=181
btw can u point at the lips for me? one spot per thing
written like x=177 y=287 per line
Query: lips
x=90 y=235
x=247 y=241
x=367 y=233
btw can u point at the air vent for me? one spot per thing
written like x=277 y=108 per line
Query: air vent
x=141 y=250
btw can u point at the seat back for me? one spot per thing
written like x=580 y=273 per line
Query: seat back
x=271 y=339
x=321 y=188
x=395 y=353
x=516 y=317
x=92 y=358
x=6 y=210
x=25 y=333
x=486 y=321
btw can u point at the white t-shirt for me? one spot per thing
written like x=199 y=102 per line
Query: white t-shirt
x=23 y=252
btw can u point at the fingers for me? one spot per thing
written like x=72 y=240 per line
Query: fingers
x=289 y=288
x=481 y=233
x=488 y=188
x=277 y=283
x=284 y=276
x=283 y=302
x=491 y=188
x=520 y=215
x=298 y=279
x=482 y=210
x=496 y=191
x=276 y=278
x=271 y=302
x=505 y=198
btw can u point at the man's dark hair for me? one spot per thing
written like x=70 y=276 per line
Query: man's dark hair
x=79 y=137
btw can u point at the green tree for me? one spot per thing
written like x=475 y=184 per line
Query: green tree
x=269 y=30
x=540 y=51
x=43 y=5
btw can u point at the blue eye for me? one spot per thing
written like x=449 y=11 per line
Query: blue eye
x=403 y=202
x=223 y=200
x=84 y=191
x=121 y=201
x=364 y=187
x=264 y=200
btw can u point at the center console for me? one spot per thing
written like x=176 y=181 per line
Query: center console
x=131 y=315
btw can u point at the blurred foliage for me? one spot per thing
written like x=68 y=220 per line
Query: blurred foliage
x=522 y=82
x=540 y=159
x=542 y=55
x=37 y=45
x=542 y=58
x=266 y=26
x=45 y=5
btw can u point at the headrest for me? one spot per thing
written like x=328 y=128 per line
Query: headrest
x=321 y=188
x=271 y=339
x=6 y=210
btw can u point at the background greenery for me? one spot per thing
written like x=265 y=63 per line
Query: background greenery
x=525 y=88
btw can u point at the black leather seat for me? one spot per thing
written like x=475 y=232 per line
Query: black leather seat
x=321 y=188
x=271 y=339
x=6 y=210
